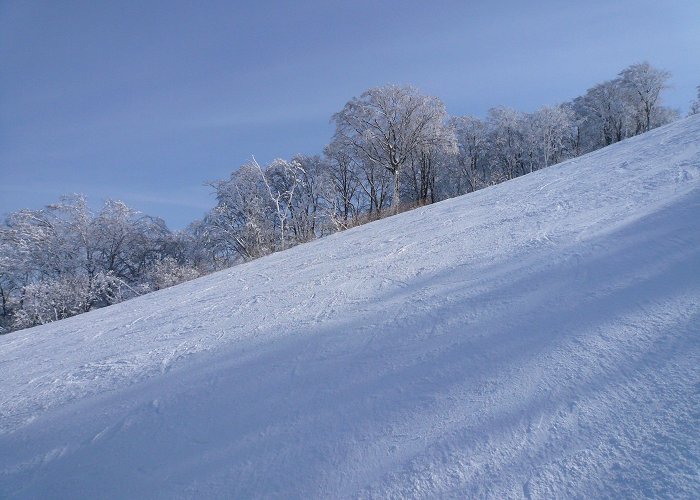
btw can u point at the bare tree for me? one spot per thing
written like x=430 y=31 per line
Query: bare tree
x=345 y=181
x=472 y=142
x=242 y=225
x=644 y=84
x=386 y=125
x=607 y=112
x=428 y=163
x=312 y=200
x=553 y=130
x=505 y=142
x=375 y=184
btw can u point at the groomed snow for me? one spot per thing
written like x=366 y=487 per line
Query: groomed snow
x=537 y=339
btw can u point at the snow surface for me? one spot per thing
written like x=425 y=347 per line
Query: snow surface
x=537 y=339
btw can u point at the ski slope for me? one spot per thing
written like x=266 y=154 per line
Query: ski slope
x=536 y=339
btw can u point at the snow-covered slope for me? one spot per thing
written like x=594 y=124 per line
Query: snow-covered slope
x=540 y=339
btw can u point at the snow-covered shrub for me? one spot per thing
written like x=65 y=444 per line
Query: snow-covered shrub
x=168 y=272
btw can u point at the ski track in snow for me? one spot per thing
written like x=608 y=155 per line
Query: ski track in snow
x=536 y=339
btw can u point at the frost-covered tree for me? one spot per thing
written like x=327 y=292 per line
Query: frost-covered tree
x=187 y=248
x=243 y=224
x=608 y=114
x=506 y=128
x=469 y=169
x=64 y=259
x=427 y=166
x=622 y=107
x=643 y=84
x=312 y=203
x=127 y=241
x=298 y=190
x=11 y=279
x=695 y=105
x=387 y=125
x=51 y=265
x=552 y=130
x=282 y=179
x=376 y=184
x=265 y=209
x=343 y=176
x=168 y=272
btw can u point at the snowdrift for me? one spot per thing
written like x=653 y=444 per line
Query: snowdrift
x=538 y=339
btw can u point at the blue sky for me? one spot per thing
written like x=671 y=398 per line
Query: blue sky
x=147 y=101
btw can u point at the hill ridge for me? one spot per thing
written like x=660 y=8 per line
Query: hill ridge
x=535 y=338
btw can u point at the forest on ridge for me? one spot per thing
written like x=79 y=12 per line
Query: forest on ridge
x=394 y=148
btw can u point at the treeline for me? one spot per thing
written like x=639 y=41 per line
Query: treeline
x=394 y=148
x=64 y=260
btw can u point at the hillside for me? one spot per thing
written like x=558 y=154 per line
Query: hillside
x=537 y=339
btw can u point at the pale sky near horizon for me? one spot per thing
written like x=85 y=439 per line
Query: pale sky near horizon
x=147 y=101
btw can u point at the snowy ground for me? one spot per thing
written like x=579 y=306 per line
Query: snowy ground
x=537 y=339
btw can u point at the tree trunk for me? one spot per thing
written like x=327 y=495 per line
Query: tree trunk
x=396 y=199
